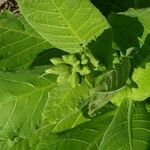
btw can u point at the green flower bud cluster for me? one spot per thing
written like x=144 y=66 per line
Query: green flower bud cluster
x=71 y=67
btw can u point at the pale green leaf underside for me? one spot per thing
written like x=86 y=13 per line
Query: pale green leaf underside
x=66 y=24
x=19 y=43
x=130 y=128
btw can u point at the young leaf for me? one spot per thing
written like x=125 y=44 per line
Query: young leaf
x=70 y=59
x=66 y=24
x=74 y=79
x=85 y=70
x=57 y=61
x=58 y=69
x=63 y=77
x=19 y=43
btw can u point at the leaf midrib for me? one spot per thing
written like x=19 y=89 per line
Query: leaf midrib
x=129 y=121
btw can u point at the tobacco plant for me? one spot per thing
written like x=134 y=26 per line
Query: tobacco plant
x=75 y=75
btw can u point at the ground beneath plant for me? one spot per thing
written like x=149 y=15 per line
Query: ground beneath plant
x=9 y=5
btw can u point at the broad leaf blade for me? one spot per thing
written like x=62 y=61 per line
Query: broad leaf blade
x=84 y=137
x=66 y=24
x=129 y=129
x=23 y=98
x=29 y=102
x=64 y=106
x=19 y=43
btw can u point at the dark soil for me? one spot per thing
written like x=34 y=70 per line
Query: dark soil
x=9 y=5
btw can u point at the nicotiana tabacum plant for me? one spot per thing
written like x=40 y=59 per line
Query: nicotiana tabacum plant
x=75 y=74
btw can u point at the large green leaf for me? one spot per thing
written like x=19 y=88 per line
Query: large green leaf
x=19 y=43
x=67 y=24
x=130 y=128
x=29 y=102
x=23 y=97
x=84 y=137
x=109 y=84
x=64 y=106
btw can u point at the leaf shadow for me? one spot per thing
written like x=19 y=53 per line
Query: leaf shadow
x=101 y=47
x=43 y=58
x=108 y=6
x=144 y=54
x=126 y=31
x=129 y=32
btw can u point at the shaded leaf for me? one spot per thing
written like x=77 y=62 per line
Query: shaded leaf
x=132 y=29
x=108 y=6
x=101 y=48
